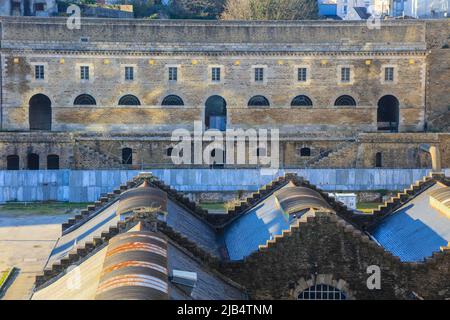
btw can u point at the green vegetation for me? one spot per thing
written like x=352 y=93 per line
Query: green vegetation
x=3 y=276
x=367 y=207
x=213 y=206
x=40 y=208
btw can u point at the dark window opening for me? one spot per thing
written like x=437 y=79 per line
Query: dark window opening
x=172 y=100
x=258 y=101
x=259 y=74
x=169 y=151
x=388 y=114
x=345 y=101
x=378 y=160
x=53 y=162
x=129 y=100
x=12 y=162
x=85 y=100
x=305 y=152
x=173 y=73
x=301 y=101
x=216 y=113
x=40 y=113
x=127 y=156
x=33 y=161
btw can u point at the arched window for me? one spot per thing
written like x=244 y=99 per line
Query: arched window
x=127 y=156
x=85 y=100
x=33 y=161
x=305 y=152
x=301 y=101
x=53 y=162
x=378 y=160
x=388 y=113
x=40 y=112
x=216 y=113
x=129 y=100
x=169 y=151
x=322 y=292
x=12 y=162
x=172 y=100
x=258 y=101
x=345 y=101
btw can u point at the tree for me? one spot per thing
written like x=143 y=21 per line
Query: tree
x=270 y=10
x=196 y=9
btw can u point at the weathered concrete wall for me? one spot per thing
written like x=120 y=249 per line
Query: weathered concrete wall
x=87 y=185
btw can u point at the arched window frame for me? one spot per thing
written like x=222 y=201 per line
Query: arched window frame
x=172 y=100
x=51 y=159
x=33 y=157
x=35 y=117
x=84 y=100
x=301 y=101
x=129 y=100
x=258 y=101
x=345 y=100
x=13 y=162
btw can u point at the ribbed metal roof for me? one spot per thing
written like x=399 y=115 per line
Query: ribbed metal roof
x=442 y=195
x=135 y=268
x=143 y=196
x=295 y=199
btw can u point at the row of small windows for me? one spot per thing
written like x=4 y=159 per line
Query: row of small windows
x=13 y=162
x=259 y=76
x=174 y=100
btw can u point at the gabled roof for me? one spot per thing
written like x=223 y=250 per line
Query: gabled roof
x=415 y=229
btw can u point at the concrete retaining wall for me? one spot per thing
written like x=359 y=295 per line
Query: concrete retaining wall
x=87 y=185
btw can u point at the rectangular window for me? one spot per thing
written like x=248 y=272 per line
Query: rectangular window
x=302 y=74
x=173 y=73
x=215 y=74
x=345 y=74
x=84 y=75
x=389 y=74
x=259 y=74
x=39 y=72
x=129 y=73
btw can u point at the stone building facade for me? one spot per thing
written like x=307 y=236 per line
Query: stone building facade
x=111 y=93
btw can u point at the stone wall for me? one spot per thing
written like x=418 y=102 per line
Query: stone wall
x=326 y=249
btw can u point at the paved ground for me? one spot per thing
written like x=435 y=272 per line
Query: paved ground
x=25 y=243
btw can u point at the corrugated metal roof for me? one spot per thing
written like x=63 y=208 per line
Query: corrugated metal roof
x=415 y=230
x=268 y=219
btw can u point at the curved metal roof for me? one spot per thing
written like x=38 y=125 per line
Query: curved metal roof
x=295 y=199
x=143 y=196
x=135 y=268
x=442 y=195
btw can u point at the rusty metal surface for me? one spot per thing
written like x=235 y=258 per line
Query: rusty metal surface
x=135 y=268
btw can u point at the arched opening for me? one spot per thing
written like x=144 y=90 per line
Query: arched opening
x=172 y=100
x=40 y=112
x=84 y=100
x=216 y=113
x=388 y=113
x=345 y=101
x=53 y=162
x=322 y=292
x=378 y=160
x=127 y=156
x=305 y=152
x=33 y=161
x=12 y=162
x=169 y=151
x=258 y=101
x=129 y=100
x=301 y=101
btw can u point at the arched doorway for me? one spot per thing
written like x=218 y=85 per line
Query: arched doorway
x=388 y=114
x=216 y=113
x=127 y=156
x=40 y=112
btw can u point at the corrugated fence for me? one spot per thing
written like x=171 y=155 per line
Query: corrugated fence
x=87 y=185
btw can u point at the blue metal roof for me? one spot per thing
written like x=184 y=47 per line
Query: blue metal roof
x=415 y=230
x=254 y=228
